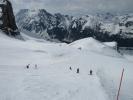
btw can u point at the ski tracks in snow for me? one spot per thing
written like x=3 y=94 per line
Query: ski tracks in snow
x=48 y=83
x=44 y=84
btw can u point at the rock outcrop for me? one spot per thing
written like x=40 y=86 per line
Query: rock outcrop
x=7 y=19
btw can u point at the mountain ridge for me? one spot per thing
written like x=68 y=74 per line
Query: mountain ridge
x=65 y=28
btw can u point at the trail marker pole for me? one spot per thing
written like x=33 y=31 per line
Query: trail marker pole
x=120 y=84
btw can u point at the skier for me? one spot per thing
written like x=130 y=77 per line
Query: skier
x=35 y=66
x=28 y=66
x=91 y=72
x=70 y=68
x=77 y=70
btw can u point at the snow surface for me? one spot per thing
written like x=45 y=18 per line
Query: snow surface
x=95 y=46
x=52 y=79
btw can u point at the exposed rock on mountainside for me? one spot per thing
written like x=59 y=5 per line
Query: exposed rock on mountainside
x=7 y=19
x=103 y=27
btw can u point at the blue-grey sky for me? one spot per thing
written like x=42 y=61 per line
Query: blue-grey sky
x=76 y=7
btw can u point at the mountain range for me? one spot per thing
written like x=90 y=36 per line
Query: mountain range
x=65 y=28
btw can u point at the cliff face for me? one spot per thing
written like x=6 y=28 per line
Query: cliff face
x=7 y=19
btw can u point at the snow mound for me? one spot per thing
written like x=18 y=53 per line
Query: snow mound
x=88 y=43
x=93 y=45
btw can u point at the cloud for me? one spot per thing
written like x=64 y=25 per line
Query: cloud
x=76 y=6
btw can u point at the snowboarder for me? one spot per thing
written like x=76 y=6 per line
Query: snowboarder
x=28 y=66
x=91 y=72
x=77 y=70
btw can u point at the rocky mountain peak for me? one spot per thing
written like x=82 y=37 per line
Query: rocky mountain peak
x=104 y=27
x=7 y=19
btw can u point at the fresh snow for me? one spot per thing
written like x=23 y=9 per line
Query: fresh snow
x=52 y=79
x=95 y=46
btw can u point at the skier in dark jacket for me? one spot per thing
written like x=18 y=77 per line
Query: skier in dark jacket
x=28 y=66
x=77 y=70
x=91 y=72
x=70 y=68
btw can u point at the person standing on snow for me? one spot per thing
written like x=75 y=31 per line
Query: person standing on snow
x=35 y=66
x=28 y=66
x=77 y=70
x=70 y=68
x=91 y=72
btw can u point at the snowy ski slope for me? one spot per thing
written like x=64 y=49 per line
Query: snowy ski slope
x=53 y=80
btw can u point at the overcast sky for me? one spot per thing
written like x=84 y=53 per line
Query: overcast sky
x=76 y=7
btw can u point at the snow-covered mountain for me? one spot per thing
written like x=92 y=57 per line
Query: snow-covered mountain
x=41 y=24
x=103 y=27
